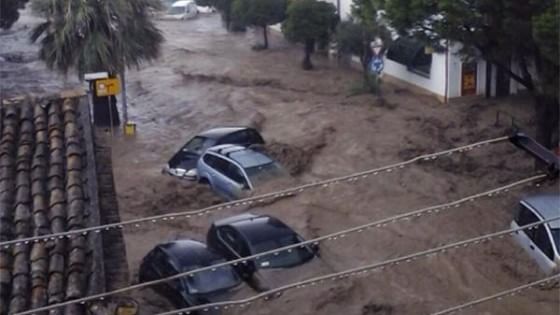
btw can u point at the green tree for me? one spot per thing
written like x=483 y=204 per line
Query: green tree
x=355 y=35
x=97 y=35
x=309 y=21
x=225 y=7
x=524 y=32
x=260 y=13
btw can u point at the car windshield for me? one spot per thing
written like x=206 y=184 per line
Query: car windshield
x=176 y=10
x=284 y=259
x=209 y=281
x=556 y=238
x=198 y=145
x=263 y=173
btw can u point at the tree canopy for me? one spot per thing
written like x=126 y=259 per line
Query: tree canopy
x=520 y=32
x=97 y=35
x=309 y=21
x=260 y=13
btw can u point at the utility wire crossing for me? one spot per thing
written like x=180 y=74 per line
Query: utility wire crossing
x=333 y=236
x=247 y=201
x=498 y=296
x=355 y=271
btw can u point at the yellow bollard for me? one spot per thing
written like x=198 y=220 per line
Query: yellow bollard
x=130 y=129
x=129 y=307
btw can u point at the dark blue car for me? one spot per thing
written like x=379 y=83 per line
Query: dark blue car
x=183 y=163
x=169 y=259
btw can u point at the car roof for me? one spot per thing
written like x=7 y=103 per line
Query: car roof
x=181 y=3
x=246 y=157
x=236 y=218
x=188 y=253
x=547 y=205
x=219 y=132
x=225 y=149
x=257 y=228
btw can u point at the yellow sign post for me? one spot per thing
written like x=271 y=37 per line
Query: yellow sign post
x=107 y=87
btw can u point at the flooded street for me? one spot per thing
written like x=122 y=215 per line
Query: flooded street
x=207 y=77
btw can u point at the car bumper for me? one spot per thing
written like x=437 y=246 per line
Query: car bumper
x=179 y=174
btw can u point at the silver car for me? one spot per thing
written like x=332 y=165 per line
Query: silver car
x=233 y=170
x=543 y=242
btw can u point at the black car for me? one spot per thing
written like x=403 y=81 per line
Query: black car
x=183 y=163
x=247 y=234
x=169 y=259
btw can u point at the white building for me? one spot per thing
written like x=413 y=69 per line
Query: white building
x=444 y=74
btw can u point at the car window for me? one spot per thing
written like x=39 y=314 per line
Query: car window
x=198 y=145
x=542 y=240
x=216 y=163
x=284 y=259
x=556 y=238
x=254 y=136
x=209 y=281
x=239 y=137
x=235 y=173
x=525 y=216
x=232 y=239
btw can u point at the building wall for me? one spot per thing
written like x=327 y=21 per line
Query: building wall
x=435 y=83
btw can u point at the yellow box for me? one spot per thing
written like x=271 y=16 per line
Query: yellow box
x=107 y=87
x=130 y=129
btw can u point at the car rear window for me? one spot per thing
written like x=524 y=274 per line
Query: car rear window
x=284 y=259
x=198 y=145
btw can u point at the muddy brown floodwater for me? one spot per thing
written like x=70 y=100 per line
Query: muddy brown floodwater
x=207 y=77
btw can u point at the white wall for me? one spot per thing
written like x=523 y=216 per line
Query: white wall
x=435 y=83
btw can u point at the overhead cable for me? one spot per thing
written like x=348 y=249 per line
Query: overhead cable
x=333 y=236
x=246 y=201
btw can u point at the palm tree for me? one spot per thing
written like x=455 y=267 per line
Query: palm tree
x=96 y=35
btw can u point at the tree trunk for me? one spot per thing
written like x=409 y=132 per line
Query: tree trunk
x=547 y=116
x=306 y=64
x=265 y=35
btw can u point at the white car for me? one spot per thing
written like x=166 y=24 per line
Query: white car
x=542 y=242
x=181 y=10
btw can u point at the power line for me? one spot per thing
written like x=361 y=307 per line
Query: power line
x=510 y=292
x=248 y=201
x=355 y=271
x=333 y=236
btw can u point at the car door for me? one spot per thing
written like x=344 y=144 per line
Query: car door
x=173 y=288
x=236 y=247
x=228 y=179
x=534 y=241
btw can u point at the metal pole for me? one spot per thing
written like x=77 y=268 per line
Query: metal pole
x=124 y=100
x=110 y=115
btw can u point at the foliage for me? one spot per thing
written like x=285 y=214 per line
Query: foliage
x=355 y=35
x=225 y=7
x=97 y=35
x=525 y=32
x=309 y=21
x=260 y=13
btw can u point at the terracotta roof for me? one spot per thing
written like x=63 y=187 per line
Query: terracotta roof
x=45 y=187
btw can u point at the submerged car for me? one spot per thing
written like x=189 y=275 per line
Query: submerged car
x=248 y=234
x=543 y=242
x=233 y=170
x=169 y=259
x=181 y=10
x=183 y=163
